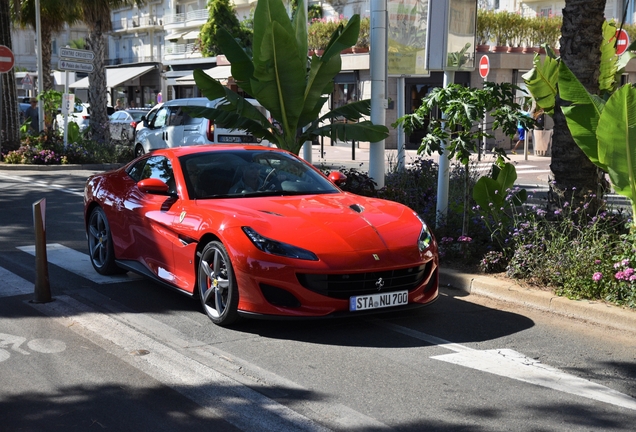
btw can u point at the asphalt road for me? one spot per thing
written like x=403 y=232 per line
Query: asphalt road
x=127 y=354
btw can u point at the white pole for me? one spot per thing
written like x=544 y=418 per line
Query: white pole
x=444 y=162
x=401 y=139
x=378 y=65
x=307 y=147
x=39 y=57
x=65 y=114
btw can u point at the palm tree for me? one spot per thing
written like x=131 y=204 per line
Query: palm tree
x=96 y=15
x=10 y=136
x=581 y=39
x=54 y=16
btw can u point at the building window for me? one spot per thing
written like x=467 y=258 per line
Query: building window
x=546 y=12
x=54 y=46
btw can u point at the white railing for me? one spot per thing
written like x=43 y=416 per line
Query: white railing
x=178 y=18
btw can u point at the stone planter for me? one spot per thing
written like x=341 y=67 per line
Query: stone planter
x=542 y=142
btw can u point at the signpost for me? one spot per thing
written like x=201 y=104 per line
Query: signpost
x=27 y=82
x=73 y=60
x=67 y=65
x=484 y=66
x=484 y=70
x=7 y=61
x=622 y=41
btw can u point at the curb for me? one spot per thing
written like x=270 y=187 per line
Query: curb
x=591 y=311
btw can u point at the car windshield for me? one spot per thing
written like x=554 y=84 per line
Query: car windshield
x=137 y=115
x=250 y=173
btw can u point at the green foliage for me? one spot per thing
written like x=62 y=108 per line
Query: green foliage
x=222 y=15
x=277 y=76
x=602 y=126
x=497 y=198
x=462 y=109
x=49 y=149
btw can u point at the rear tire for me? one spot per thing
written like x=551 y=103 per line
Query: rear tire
x=100 y=244
x=139 y=150
x=217 y=286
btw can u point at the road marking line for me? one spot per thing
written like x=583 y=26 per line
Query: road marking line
x=43 y=184
x=13 y=285
x=214 y=391
x=78 y=263
x=511 y=364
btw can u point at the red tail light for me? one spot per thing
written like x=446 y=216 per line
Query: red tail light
x=86 y=117
x=210 y=131
x=133 y=124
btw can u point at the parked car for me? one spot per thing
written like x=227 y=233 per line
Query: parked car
x=123 y=123
x=258 y=232
x=168 y=125
x=80 y=115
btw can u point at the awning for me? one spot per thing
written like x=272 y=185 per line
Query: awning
x=191 y=35
x=175 y=36
x=219 y=73
x=116 y=76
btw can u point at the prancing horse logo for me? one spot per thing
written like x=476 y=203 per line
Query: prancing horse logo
x=379 y=284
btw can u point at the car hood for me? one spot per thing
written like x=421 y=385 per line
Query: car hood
x=328 y=222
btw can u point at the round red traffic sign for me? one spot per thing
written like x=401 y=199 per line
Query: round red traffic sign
x=6 y=59
x=484 y=66
x=622 y=41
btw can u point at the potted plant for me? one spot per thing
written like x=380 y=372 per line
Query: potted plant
x=501 y=30
x=364 y=39
x=485 y=22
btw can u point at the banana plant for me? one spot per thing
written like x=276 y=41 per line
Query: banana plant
x=601 y=125
x=292 y=87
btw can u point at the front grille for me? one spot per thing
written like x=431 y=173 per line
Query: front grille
x=343 y=286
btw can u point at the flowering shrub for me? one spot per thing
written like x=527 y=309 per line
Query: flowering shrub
x=49 y=149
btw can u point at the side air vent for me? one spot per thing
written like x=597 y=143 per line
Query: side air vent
x=357 y=208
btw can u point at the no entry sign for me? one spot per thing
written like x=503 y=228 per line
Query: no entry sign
x=6 y=59
x=484 y=66
x=622 y=41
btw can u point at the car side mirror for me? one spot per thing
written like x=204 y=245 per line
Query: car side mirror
x=337 y=178
x=154 y=186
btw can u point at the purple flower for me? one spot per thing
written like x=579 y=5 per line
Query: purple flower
x=597 y=276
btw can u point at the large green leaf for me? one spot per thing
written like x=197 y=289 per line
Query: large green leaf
x=241 y=63
x=582 y=115
x=360 y=131
x=608 y=66
x=617 y=140
x=279 y=84
x=542 y=81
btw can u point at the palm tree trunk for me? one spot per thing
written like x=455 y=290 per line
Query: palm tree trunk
x=10 y=133
x=98 y=93
x=47 y=80
x=581 y=39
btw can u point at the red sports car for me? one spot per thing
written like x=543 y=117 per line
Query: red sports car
x=258 y=232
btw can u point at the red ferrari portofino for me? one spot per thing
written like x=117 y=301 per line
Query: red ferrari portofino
x=258 y=232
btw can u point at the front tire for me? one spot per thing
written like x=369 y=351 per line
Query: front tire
x=100 y=244
x=216 y=285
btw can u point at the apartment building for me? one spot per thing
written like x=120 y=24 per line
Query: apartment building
x=153 y=51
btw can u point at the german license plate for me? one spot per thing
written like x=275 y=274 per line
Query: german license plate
x=235 y=139
x=377 y=301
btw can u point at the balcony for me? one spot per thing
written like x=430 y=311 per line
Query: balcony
x=141 y=23
x=195 y=18
x=176 y=51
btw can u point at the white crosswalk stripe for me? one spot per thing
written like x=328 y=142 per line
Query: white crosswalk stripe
x=78 y=263
x=13 y=285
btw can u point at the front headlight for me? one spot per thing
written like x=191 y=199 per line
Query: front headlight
x=278 y=248
x=426 y=238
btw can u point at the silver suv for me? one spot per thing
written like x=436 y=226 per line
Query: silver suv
x=168 y=125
